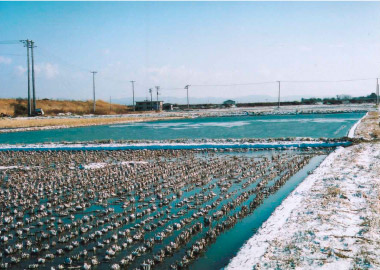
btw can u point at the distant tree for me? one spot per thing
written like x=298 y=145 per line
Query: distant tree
x=372 y=96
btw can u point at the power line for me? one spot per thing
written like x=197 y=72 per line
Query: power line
x=12 y=54
x=328 y=81
x=171 y=89
x=10 y=41
x=233 y=84
x=48 y=54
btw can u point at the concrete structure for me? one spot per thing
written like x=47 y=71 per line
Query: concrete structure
x=148 y=105
x=168 y=107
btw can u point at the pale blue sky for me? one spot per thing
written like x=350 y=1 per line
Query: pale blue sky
x=172 y=44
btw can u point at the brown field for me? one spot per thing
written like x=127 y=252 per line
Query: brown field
x=369 y=127
x=68 y=122
x=18 y=107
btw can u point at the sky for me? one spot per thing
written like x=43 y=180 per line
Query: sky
x=172 y=44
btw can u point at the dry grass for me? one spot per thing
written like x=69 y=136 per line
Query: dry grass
x=369 y=127
x=18 y=107
x=333 y=192
x=70 y=122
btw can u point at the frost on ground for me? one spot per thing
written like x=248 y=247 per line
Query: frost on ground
x=369 y=128
x=99 y=165
x=331 y=220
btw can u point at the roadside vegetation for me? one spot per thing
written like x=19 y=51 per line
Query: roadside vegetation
x=19 y=107
x=369 y=127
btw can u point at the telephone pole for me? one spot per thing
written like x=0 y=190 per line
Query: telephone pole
x=26 y=42
x=187 y=91
x=279 y=93
x=93 y=87
x=110 y=105
x=377 y=91
x=33 y=109
x=151 y=99
x=157 y=89
x=133 y=94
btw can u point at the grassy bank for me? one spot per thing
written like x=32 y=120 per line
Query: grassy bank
x=369 y=127
x=18 y=107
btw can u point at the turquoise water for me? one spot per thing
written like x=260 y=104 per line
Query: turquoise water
x=228 y=244
x=219 y=252
x=270 y=126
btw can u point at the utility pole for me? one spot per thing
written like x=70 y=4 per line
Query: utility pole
x=157 y=89
x=93 y=87
x=33 y=81
x=187 y=90
x=279 y=93
x=110 y=105
x=26 y=42
x=151 y=99
x=133 y=93
x=377 y=91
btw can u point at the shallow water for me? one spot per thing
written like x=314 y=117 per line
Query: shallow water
x=226 y=245
x=270 y=126
x=217 y=256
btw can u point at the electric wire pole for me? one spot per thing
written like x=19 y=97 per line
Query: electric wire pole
x=377 y=91
x=151 y=99
x=279 y=93
x=93 y=87
x=157 y=89
x=187 y=91
x=26 y=42
x=33 y=109
x=133 y=94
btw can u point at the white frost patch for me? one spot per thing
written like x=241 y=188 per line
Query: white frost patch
x=18 y=167
x=8 y=167
x=93 y=166
x=170 y=145
x=100 y=165
x=351 y=133
x=186 y=125
x=325 y=222
x=133 y=162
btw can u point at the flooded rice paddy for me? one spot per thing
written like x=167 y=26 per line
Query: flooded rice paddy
x=150 y=209
x=163 y=209
x=267 y=126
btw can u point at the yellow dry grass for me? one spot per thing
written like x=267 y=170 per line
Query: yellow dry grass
x=18 y=107
x=369 y=127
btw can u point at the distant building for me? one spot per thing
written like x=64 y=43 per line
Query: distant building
x=147 y=105
x=168 y=107
x=229 y=103
x=343 y=97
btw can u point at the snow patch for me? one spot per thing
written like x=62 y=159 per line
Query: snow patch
x=351 y=133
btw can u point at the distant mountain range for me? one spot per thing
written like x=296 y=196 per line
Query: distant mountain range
x=213 y=100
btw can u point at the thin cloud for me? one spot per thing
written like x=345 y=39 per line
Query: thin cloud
x=47 y=70
x=5 y=60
